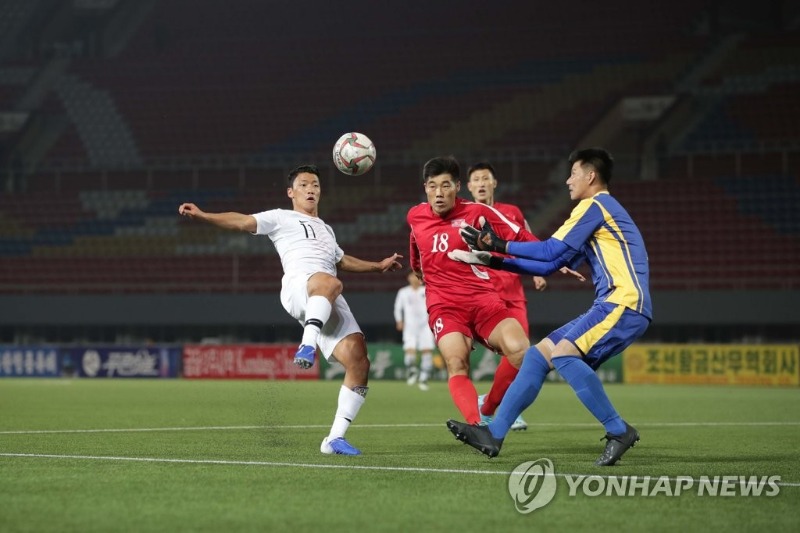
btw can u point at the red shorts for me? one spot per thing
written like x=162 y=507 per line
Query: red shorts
x=475 y=319
x=519 y=310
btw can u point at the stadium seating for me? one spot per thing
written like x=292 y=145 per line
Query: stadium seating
x=714 y=233
x=191 y=94
x=185 y=87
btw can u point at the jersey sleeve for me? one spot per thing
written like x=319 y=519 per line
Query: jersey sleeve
x=413 y=253
x=534 y=267
x=503 y=226
x=266 y=221
x=581 y=224
x=339 y=253
x=524 y=235
x=584 y=220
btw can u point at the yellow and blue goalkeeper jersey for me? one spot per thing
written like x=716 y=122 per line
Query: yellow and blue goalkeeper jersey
x=606 y=236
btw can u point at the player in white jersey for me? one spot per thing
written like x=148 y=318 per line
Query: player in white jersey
x=411 y=317
x=310 y=290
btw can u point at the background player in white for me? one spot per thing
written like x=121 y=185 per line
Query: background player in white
x=411 y=317
x=310 y=290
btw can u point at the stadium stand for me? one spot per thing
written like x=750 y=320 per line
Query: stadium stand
x=156 y=124
x=175 y=104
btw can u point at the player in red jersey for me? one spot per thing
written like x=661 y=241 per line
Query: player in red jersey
x=482 y=182
x=463 y=304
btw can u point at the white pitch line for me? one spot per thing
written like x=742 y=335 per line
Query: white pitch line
x=381 y=426
x=319 y=466
x=252 y=463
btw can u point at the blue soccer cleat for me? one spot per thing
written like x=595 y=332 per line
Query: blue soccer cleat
x=304 y=358
x=338 y=446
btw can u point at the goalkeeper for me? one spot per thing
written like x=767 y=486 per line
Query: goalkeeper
x=600 y=232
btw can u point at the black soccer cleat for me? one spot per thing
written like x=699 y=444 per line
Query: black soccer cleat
x=616 y=445
x=479 y=437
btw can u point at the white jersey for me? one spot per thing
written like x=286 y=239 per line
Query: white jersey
x=305 y=244
x=410 y=308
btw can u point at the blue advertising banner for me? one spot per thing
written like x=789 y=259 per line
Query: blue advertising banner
x=29 y=361
x=125 y=361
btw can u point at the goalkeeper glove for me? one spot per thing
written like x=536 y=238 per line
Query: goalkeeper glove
x=485 y=239
x=476 y=258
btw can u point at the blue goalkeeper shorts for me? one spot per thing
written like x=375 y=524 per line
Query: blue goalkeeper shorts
x=602 y=332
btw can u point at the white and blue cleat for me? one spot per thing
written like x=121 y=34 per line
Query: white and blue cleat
x=304 y=358
x=485 y=419
x=518 y=425
x=338 y=446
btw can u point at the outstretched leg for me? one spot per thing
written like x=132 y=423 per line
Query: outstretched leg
x=509 y=335
x=589 y=390
x=521 y=394
x=351 y=352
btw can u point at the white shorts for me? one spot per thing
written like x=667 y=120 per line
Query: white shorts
x=418 y=337
x=294 y=297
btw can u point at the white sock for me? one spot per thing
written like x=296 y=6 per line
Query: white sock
x=349 y=404
x=426 y=364
x=318 y=311
x=410 y=361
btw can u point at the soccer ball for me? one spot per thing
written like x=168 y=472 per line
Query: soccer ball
x=354 y=153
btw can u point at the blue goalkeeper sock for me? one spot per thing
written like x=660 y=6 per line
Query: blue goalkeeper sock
x=590 y=392
x=521 y=393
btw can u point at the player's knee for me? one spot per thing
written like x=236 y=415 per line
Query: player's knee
x=456 y=366
x=325 y=285
x=356 y=365
x=336 y=287
x=515 y=351
x=331 y=287
x=565 y=348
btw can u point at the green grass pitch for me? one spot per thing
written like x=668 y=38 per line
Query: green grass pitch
x=180 y=455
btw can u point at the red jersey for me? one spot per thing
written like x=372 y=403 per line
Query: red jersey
x=432 y=236
x=509 y=284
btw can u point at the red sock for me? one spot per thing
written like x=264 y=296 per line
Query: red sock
x=465 y=397
x=503 y=377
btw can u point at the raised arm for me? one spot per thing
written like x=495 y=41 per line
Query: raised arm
x=515 y=264
x=354 y=264
x=229 y=220
x=486 y=239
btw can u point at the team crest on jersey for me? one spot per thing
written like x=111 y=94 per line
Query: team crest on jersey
x=457 y=222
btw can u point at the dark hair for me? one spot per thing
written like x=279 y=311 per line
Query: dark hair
x=598 y=158
x=441 y=165
x=311 y=169
x=482 y=165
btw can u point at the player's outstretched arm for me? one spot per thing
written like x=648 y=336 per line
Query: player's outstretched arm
x=511 y=264
x=354 y=264
x=230 y=220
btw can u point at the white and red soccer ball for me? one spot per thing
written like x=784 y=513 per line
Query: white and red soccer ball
x=354 y=154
